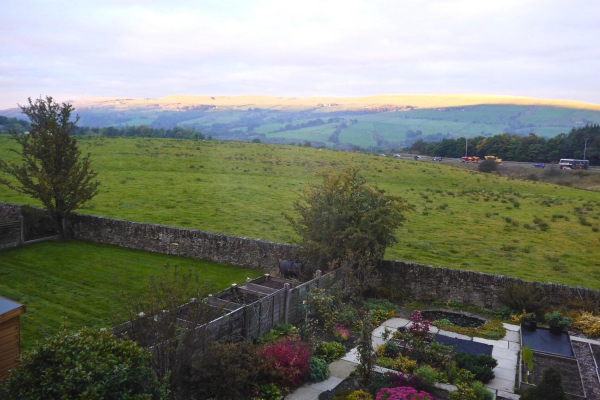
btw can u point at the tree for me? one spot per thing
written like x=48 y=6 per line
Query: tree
x=91 y=364
x=343 y=218
x=51 y=170
x=366 y=354
x=487 y=166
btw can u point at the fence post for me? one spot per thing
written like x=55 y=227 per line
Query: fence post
x=22 y=236
x=318 y=276
x=286 y=307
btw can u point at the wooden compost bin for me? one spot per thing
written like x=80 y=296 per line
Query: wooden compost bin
x=10 y=339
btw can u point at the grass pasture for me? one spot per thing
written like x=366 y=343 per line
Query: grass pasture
x=79 y=282
x=462 y=219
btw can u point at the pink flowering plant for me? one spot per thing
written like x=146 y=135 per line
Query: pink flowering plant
x=340 y=333
x=419 y=326
x=402 y=393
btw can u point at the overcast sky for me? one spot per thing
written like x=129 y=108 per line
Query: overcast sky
x=546 y=49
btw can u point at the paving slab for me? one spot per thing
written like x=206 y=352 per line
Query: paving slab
x=514 y=346
x=379 y=331
x=511 y=327
x=505 y=353
x=509 y=395
x=327 y=384
x=503 y=344
x=501 y=384
x=351 y=356
x=341 y=368
x=512 y=336
x=584 y=340
x=507 y=364
x=304 y=393
x=395 y=323
x=502 y=373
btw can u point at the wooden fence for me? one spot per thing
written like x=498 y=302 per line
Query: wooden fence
x=11 y=234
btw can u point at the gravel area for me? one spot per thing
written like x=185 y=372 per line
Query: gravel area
x=584 y=356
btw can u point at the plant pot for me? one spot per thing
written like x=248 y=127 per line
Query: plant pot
x=556 y=330
x=530 y=325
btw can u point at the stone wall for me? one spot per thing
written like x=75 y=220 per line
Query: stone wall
x=428 y=283
x=162 y=239
x=422 y=282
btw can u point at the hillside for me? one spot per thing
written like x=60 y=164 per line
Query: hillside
x=382 y=122
x=463 y=219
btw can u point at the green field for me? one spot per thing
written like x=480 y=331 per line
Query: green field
x=462 y=219
x=79 y=282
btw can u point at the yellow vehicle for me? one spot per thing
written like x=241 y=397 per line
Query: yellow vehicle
x=496 y=159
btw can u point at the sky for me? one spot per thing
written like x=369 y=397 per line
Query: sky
x=545 y=49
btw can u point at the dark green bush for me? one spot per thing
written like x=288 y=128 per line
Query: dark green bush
x=482 y=365
x=524 y=296
x=224 y=371
x=89 y=364
x=487 y=166
x=549 y=388
x=319 y=369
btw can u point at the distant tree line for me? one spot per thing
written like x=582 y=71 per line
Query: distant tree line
x=8 y=124
x=531 y=148
x=140 y=131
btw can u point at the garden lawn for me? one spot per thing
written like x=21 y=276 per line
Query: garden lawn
x=462 y=219
x=79 y=283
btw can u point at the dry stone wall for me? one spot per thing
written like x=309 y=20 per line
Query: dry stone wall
x=422 y=282
x=232 y=250
x=428 y=283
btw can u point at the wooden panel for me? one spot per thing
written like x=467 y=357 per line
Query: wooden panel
x=10 y=353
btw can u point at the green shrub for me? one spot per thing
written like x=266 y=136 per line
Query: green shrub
x=359 y=395
x=549 y=388
x=386 y=362
x=269 y=392
x=224 y=370
x=556 y=320
x=504 y=313
x=280 y=331
x=330 y=351
x=88 y=364
x=524 y=296
x=481 y=365
x=429 y=375
x=319 y=369
x=480 y=392
x=487 y=166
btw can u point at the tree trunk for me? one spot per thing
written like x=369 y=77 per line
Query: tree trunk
x=59 y=222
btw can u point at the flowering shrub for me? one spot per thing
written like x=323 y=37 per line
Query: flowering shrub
x=402 y=393
x=285 y=363
x=400 y=380
x=340 y=332
x=404 y=364
x=419 y=326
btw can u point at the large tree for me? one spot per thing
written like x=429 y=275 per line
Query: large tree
x=52 y=169
x=344 y=220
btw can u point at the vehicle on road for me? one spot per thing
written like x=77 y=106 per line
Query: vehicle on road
x=570 y=163
x=397 y=156
x=539 y=165
x=496 y=159
x=382 y=155
x=469 y=159
x=436 y=159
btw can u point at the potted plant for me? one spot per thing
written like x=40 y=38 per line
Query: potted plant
x=529 y=321
x=557 y=322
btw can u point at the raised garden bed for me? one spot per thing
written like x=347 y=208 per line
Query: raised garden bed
x=567 y=367
x=272 y=282
x=457 y=319
x=545 y=341
x=236 y=296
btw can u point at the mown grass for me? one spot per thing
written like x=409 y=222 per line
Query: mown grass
x=79 y=283
x=462 y=219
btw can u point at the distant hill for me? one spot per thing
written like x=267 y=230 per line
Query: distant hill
x=387 y=121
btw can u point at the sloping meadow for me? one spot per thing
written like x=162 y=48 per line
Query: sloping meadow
x=462 y=219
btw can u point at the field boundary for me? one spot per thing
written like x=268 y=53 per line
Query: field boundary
x=418 y=281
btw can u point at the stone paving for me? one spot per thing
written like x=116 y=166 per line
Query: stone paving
x=505 y=351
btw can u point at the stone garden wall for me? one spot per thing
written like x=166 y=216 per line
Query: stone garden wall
x=422 y=282
x=428 y=283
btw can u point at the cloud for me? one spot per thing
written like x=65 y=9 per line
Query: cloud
x=151 y=48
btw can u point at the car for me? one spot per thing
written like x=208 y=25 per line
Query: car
x=382 y=155
x=539 y=165
x=436 y=159
x=397 y=156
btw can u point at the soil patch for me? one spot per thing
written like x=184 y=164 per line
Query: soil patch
x=567 y=367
